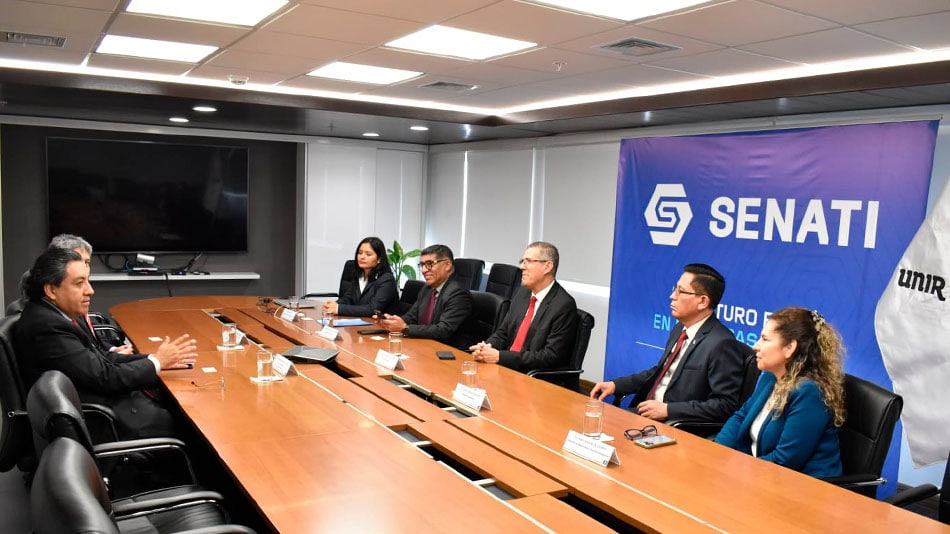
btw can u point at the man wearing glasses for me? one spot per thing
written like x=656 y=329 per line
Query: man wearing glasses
x=700 y=373
x=443 y=310
x=539 y=330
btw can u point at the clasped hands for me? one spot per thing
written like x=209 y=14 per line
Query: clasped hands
x=484 y=353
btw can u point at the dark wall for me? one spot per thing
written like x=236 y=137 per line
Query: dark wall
x=271 y=221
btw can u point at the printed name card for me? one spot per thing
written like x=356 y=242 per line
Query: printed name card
x=590 y=449
x=288 y=315
x=283 y=366
x=388 y=360
x=474 y=398
x=328 y=332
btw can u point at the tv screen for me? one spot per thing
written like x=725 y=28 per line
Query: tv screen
x=142 y=196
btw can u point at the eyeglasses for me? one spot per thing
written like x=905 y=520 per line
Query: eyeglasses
x=637 y=433
x=215 y=384
x=529 y=260
x=428 y=265
x=677 y=292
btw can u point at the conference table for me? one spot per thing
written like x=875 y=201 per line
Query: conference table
x=353 y=446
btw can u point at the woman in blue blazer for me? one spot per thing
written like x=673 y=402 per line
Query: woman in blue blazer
x=792 y=417
x=374 y=288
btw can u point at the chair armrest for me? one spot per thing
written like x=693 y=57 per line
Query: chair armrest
x=696 y=427
x=97 y=318
x=220 y=529
x=856 y=480
x=116 y=448
x=554 y=372
x=131 y=509
x=100 y=420
x=129 y=453
x=312 y=295
x=911 y=495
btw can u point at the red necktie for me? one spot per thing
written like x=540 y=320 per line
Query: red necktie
x=427 y=315
x=669 y=362
x=525 y=325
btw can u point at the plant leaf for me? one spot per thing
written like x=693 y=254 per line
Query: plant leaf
x=409 y=271
x=397 y=248
x=413 y=253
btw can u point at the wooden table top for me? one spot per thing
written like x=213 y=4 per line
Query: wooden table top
x=693 y=486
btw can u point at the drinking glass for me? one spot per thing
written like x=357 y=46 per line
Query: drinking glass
x=395 y=343
x=593 y=418
x=470 y=373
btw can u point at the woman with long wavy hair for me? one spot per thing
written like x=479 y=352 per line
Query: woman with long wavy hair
x=792 y=417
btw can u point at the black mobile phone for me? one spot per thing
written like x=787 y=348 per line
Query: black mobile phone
x=445 y=354
x=377 y=314
x=371 y=331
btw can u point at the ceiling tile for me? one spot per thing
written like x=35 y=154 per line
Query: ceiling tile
x=339 y=25
x=157 y=66
x=414 y=88
x=829 y=45
x=505 y=98
x=722 y=63
x=572 y=63
x=179 y=31
x=326 y=84
x=928 y=32
x=592 y=43
x=213 y=72
x=529 y=22
x=239 y=59
x=397 y=59
x=430 y=11
x=101 y=5
x=737 y=23
x=491 y=72
x=276 y=43
x=47 y=19
x=859 y=11
x=632 y=76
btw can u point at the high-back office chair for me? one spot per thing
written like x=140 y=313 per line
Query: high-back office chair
x=570 y=376
x=17 y=305
x=347 y=279
x=409 y=294
x=503 y=280
x=68 y=496
x=15 y=444
x=871 y=414
x=916 y=494
x=468 y=272
x=488 y=309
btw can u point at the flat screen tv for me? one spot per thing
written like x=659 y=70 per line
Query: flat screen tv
x=142 y=196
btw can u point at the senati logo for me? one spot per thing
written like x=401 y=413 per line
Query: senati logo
x=671 y=216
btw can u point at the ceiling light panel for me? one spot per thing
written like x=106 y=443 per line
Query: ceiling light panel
x=241 y=12
x=628 y=10
x=355 y=72
x=446 y=41
x=154 y=49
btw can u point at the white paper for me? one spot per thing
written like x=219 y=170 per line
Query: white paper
x=283 y=366
x=388 y=360
x=591 y=449
x=474 y=398
x=328 y=332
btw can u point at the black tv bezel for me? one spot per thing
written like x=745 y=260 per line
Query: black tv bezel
x=247 y=181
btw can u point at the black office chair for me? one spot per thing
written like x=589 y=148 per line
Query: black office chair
x=410 y=292
x=488 y=309
x=69 y=496
x=570 y=377
x=15 y=438
x=55 y=411
x=347 y=279
x=468 y=272
x=503 y=280
x=17 y=305
x=872 y=412
x=909 y=496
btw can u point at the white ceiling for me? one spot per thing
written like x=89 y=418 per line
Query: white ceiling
x=720 y=38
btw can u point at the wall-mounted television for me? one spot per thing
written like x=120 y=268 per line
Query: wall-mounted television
x=142 y=196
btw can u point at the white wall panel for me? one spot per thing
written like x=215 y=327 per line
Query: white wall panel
x=499 y=206
x=399 y=188
x=446 y=198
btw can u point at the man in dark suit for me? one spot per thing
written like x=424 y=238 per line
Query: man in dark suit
x=699 y=377
x=443 y=309
x=539 y=330
x=52 y=334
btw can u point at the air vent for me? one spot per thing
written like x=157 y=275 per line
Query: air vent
x=449 y=86
x=637 y=47
x=31 y=39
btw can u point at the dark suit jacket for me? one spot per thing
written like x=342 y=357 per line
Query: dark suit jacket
x=803 y=438
x=550 y=338
x=452 y=321
x=706 y=383
x=380 y=294
x=45 y=340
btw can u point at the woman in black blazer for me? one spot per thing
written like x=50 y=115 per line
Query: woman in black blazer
x=374 y=288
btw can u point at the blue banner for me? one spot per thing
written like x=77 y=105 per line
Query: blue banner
x=814 y=217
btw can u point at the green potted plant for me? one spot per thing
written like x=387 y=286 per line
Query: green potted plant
x=398 y=262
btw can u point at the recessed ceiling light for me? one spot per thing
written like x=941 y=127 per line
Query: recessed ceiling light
x=243 y=12
x=621 y=10
x=370 y=134
x=178 y=119
x=419 y=128
x=205 y=109
x=355 y=72
x=154 y=49
x=446 y=41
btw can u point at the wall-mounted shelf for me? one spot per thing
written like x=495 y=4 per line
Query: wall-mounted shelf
x=123 y=277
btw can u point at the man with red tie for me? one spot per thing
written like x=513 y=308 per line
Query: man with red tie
x=539 y=330
x=700 y=373
x=443 y=309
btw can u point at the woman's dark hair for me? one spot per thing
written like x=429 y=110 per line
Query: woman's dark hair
x=380 y=249
x=49 y=268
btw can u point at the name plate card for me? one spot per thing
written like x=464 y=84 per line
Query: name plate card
x=328 y=332
x=283 y=366
x=474 y=398
x=288 y=315
x=591 y=449
x=388 y=360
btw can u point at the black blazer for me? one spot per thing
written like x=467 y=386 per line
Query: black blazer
x=550 y=338
x=44 y=339
x=452 y=320
x=706 y=383
x=380 y=294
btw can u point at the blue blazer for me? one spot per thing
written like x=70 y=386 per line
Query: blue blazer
x=803 y=438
